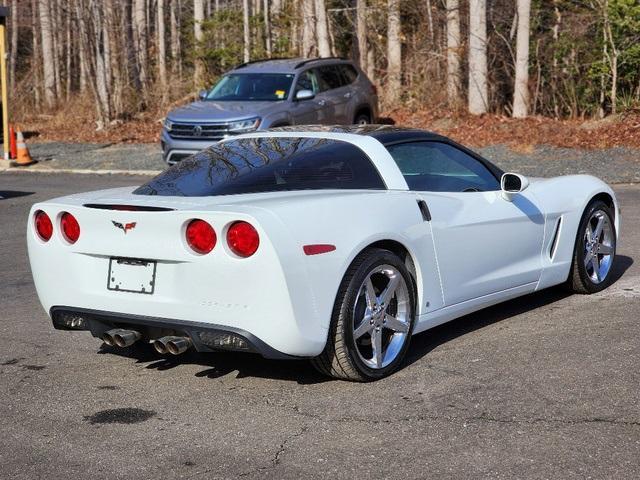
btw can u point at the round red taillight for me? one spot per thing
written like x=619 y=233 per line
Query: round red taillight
x=44 y=227
x=70 y=227
x=243 y=239
x=201 y=236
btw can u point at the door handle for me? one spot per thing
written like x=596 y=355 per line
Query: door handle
x=347 y=95
x=424 y=210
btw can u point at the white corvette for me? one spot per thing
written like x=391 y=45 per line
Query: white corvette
x=331 y=243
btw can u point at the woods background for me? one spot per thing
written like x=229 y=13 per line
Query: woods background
x=96 y=64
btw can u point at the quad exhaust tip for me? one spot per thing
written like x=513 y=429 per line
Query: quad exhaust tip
x=172 y=344
x=120 y=337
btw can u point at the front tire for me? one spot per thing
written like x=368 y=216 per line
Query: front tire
x=372 y=319
x=362 y=119
x=594 y=251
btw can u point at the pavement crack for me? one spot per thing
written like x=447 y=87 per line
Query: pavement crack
x=275 y=460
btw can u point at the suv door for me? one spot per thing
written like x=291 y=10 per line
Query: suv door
x=312 y=111
x=484 y=244
x=336 y=92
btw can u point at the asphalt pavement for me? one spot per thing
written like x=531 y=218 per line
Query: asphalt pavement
x=545 y=386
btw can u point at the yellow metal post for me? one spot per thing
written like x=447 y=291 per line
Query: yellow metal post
x=5 y=96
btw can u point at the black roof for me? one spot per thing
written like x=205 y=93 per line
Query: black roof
x=383 y=133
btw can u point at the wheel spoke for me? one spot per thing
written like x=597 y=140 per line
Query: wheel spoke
x=388 y=292
x=396 y=325
x=605 y=249
x=599 y=226
x=376 y=343
x=364 y=327
x=596 y=267
x=587 y=259
x=370 y=293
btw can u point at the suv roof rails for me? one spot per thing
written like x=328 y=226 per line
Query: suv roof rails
x=304 y=62
x=242 y=65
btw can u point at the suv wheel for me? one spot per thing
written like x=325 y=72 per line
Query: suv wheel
x=362 y=119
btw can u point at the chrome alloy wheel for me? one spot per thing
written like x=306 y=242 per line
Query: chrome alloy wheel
x=381 y=317
x=599 y=247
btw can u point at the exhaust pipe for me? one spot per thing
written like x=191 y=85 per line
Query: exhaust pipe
x=125 y=338
x=172 y=344
x=119 y=337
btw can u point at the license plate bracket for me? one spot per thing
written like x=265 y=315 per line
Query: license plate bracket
x=132 y=275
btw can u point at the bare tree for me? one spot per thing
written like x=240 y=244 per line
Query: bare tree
x=47 y=54
x=478 y=89
x=174 y=36
x=267 y=29
x=246 y=52
x=322 y=30
x=308 y=28
x=162 y=50
x=361 y=32
x=198 y=18
x=14 y=44
x=453 y=52
x=140 y=42
x=394 y=52
x=521 y=87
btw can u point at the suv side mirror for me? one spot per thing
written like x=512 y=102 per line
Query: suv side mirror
x=305 y=95
x=202 y=94
x=512 y=183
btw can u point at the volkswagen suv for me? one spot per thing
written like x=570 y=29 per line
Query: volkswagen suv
x=271 y=93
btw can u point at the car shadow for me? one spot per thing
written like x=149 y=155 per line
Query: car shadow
x=6 y=194
x=220 y=364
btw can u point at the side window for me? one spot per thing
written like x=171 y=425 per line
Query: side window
x=329 y=78
x=440 y=167
x=307 y=81
x=349 y=73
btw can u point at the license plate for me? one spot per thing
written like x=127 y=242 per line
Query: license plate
x=132 y=275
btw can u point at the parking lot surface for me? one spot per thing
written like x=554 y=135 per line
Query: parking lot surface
x=545 y=386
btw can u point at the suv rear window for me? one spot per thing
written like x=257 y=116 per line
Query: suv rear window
x=267 y=164
x=349 y=73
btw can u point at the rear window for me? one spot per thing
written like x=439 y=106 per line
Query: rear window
x=330 y=78
x=349 y=73
x=267 y=164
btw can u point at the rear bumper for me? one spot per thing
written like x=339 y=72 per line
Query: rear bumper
x=205 y=337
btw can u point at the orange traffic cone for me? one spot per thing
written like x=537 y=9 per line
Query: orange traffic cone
x=24 y=158
x=13 y=149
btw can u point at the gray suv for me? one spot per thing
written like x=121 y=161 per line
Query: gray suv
x=271 y=93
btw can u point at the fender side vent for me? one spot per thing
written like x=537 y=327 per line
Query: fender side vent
x=554 y=240
x=127 y=208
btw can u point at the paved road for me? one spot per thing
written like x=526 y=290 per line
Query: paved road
x=546 y=386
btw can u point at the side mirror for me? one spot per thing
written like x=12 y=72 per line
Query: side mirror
x=202 y=94
x=305 y=95
x=512 y=183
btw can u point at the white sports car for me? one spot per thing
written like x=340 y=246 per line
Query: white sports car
x=330 y=243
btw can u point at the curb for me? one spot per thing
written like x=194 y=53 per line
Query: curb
x=81 y=171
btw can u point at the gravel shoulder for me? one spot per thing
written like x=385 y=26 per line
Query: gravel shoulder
x=613 y=165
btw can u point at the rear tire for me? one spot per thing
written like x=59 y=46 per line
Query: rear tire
x=372 y=319
x=594 y=251
x=362 y=119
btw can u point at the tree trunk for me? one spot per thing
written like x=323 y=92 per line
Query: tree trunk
x=246 y=51
x=141 y=42
x=267 y=29
x=14 y=45
x=198 y=17
x=162 y=51
x=322 y=30
x=521 y=87
x=453 y=53
x=308 y=28
x=394 y=52
x=361 y=32
x=36 y=55
x=176 y=61
x=478 y=89
x=47 y=54
x=102 y=61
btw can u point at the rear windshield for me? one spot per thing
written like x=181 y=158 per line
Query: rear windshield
x=267 y=164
